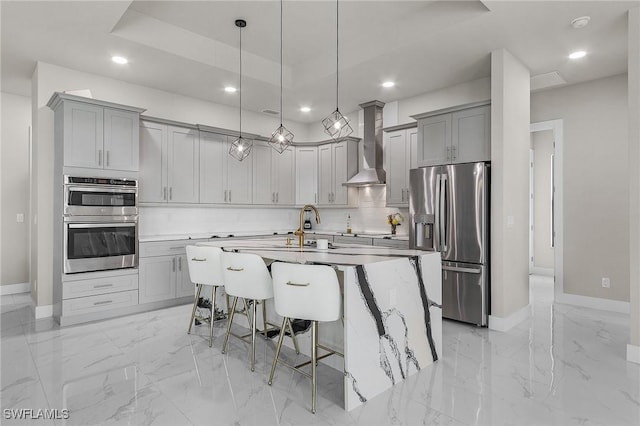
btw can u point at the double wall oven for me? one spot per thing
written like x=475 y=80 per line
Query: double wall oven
x=100 y=224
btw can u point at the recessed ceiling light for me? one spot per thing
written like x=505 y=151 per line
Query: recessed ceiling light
x=121 y=60
x=578 y=54
x=230 y=89
x=388 y=84
x=305 y=109
x=580 y=22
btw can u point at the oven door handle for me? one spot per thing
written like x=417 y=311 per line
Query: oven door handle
x=101 y=225
x=108 y=189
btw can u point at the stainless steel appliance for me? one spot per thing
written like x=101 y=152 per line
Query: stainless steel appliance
x=100 y=224
x=449 y=213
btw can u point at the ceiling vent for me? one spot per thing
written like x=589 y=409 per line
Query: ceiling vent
x=543 y=81
x=271 y=111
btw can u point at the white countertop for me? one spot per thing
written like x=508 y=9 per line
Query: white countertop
x=340 y=254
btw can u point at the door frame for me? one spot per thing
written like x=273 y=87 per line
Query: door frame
x=556 y=126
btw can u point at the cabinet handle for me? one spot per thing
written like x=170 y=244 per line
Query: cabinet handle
x=277 y=194
x=107 y=156
x=229 y=195
x=104 y=302
x=176 y=248
x=164 y=193
x=99 y=157
x=173 y=264
x=180 y=264
x=448 y=153
x=273 y=197
x=170 y=193
x=315 y=197
x=225 y=195
x=454 y=152
x=402 y=194
x=103 y=285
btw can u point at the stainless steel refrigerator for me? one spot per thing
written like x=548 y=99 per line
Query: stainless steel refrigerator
x=449 y=213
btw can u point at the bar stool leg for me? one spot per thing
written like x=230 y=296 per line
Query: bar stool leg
x=314 y=361
x=195 y=306
x=226 y=336
x=293 y=337
x=275 y=358
x=254 y=314
x=213 y=311
x=264 y=319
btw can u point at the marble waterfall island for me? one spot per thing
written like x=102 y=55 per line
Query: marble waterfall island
x=392 y=315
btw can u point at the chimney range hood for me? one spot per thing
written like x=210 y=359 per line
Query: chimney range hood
x=373 y=172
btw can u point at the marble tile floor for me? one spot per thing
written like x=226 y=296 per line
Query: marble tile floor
x=566 y=365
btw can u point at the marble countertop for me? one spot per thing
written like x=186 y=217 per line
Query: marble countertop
x=276 y=233
x=337 y=254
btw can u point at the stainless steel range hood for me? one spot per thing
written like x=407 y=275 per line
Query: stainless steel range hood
x=373 y=172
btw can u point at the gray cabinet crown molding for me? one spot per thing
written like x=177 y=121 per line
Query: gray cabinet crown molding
x=450 y=109
x=168 y=122
x=58 y=97
x=400 y=127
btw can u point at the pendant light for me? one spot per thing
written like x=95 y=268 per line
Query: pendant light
x=282 y=137
x=337 y=125
x=241 y=147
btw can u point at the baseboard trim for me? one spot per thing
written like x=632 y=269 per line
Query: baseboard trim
x=44 y=311
x=593 y=302
x=15 y=288
x=547 y=272
x=633 y=353
x=506 y=324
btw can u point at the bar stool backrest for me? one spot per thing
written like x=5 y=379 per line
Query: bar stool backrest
x=204 y=265
x=246 y=275
x=310 y=292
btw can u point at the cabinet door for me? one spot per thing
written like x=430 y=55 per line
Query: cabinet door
x=213 y=162
x=340 y=173
x=471 y=138
x=157 y=278
x=284 y=174
x=153 y=162
x=183 y=169
x=239 y=179
x=83 y=135
x=184 y=286
x=396 y=167
x=121 y=140
x=325 y=174
x=434 y=140
x=263 y=185
x=412 y=138
x=306 y=175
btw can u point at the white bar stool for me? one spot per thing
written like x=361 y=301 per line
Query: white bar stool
x=205 y=270
x=309 y=292
x=246 y=276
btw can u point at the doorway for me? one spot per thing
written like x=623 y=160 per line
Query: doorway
x=545 y=208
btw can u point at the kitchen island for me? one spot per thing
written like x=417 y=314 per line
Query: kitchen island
x=391 y=303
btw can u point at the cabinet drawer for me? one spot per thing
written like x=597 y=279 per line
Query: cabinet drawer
x=401 y=244
x=103 y=302
x=313 y=237
x=353 y=240
x=96 y=286
x=167 y=248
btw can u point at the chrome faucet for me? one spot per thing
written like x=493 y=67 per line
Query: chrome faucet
x=300 y=232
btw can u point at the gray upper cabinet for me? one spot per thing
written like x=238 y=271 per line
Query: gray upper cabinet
x=337 y=163
x=97 y=134
x=456 y=137
x=273 y=175
x=284 y=176
x=169 y=169
x=400 y=157
x=306 y=165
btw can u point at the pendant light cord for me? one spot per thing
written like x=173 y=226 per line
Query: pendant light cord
x=281 y=114
x=240 y=82
x=337 y=56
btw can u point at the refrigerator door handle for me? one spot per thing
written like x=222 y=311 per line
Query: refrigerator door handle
x=458 y=269
x=443 y=205
x=436 y=225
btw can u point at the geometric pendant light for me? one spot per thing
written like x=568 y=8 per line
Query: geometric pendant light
x=282 y=137
x=241 y=147
x=337 y=125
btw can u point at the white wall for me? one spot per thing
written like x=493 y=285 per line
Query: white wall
x=16 y=120
x=596 y=183
x=510 y=140
x=542 y=145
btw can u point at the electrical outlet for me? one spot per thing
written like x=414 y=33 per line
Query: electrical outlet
x=606 y=283
x=20 y=217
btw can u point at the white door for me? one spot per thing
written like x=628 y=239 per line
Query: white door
x=340 y=173
x=470 y=135
x=263 y=186
x=239 y=179
x=183 y=174
x=284 y=174
x=434 y=140
x=396 y=167
x=121 y=140
x=306 y=175
x=213 y=160
x=153 y=162
x=157 y=279
x=325 y=174
x=83 y=135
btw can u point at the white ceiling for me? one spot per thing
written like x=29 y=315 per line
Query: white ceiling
x=191 y=47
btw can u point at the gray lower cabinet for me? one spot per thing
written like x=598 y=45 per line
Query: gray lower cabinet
x=382 y=242
x=353 y=240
